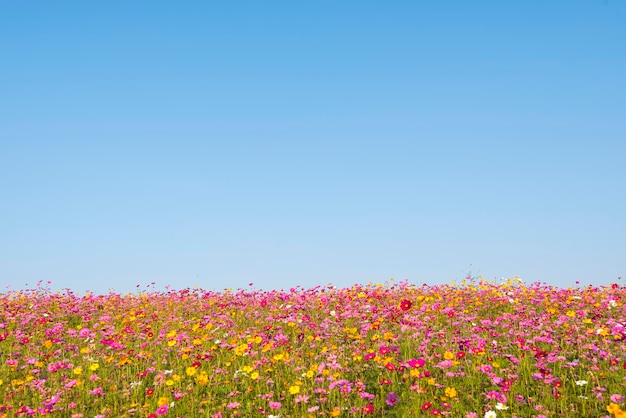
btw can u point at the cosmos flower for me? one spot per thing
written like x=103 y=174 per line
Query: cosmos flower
x=275 y=405
x=392 y=399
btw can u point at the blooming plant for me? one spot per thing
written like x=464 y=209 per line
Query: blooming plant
x=477 y=349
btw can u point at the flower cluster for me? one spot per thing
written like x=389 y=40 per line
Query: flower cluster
x=478 y=349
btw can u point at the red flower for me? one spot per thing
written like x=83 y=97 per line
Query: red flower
x=426 y=406
x=405 y=305
x=368 y=409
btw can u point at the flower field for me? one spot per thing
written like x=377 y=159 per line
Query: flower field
x=477 y=349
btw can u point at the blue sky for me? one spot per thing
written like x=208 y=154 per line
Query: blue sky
x=306 y=143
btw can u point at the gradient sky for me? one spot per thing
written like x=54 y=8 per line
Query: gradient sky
x=306 y=143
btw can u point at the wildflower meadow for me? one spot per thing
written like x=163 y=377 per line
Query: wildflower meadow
x=475 y=349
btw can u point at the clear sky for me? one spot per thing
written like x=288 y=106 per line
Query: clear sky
x=304 y=143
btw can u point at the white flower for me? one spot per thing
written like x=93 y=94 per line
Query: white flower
x=491 y=414
x=333 y=313
x=581 y=382
x=501 y=406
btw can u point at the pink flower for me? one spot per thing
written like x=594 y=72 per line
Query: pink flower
x=162 y=410
x=486 y=368
x=275 y=405
x=71 y=384
x=96 y=391
x=52 y=400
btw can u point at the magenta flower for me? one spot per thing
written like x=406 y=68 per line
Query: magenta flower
x=162 y=410
x=392 y=399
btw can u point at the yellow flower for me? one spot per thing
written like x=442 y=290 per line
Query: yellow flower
x=163 y=401
x=335 y=412
x=94 y=367
x=78 y=370
x=241 y=349
x=171 y=343
x=191 y=371
x=448 y=355
x=615 y=409
x=254 y=375
x=202 y=378
x=294 y=389
x=280 y=356
x=451 y=392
